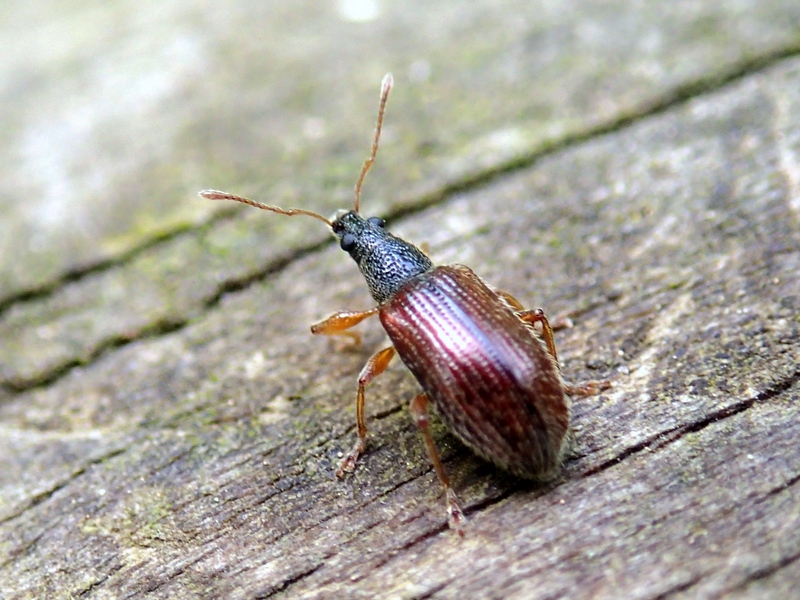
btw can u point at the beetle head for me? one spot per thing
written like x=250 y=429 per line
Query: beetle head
x=385 y=261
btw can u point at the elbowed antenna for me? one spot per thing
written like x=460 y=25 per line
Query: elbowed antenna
x=291 y=212
x=386 y=87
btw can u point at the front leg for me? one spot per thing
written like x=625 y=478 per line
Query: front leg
x=338 y=324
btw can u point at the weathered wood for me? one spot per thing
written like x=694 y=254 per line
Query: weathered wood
x=161 y=437
x=108 y=148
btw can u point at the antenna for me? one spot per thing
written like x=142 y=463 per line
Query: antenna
x=386 y=87
x=291 y=212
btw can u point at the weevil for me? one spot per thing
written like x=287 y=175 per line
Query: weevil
x=488 y=365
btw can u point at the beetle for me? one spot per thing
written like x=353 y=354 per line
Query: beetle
x=487 y=364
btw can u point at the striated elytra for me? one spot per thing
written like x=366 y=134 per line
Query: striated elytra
x=492 y=380
x=475 y=351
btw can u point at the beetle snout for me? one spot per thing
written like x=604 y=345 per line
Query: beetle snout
x=337 y=223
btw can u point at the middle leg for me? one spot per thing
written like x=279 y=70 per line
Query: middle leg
x=376 y=365
x=561 y=322
x=583 y=389
x=536 y=315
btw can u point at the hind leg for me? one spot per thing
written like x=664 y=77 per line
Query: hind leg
x=455 y=516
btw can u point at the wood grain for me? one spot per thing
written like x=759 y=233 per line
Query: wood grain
x=168 y=426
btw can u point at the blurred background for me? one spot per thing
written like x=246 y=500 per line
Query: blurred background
x=115 y=113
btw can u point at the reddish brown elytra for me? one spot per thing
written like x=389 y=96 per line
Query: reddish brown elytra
x=477 y=353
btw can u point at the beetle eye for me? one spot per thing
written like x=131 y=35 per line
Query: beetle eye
x=377 y=221
x=348 y=242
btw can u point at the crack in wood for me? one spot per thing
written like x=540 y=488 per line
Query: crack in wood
x=275 y=589
x=93 y=586
x=50 y=376
x=785 y=486
x=768 y=570
x=669 y=436
x=681 y=587
x=678 y=96
x=391 y=554
x=48 y=493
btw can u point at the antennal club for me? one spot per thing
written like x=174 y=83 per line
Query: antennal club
x=386 y=87
x=290 y=212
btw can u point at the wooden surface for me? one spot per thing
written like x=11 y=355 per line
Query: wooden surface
x=168 y=426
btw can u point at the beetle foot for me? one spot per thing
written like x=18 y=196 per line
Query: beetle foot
x=586 y=388
x=455 y=516
x=348 y=463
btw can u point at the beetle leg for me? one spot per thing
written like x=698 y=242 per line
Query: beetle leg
x=510 y=300
x=562 y=322
x=580 y=390
x=339 y=322
x=419 y=408
x=536 y=315
x=375 y=366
